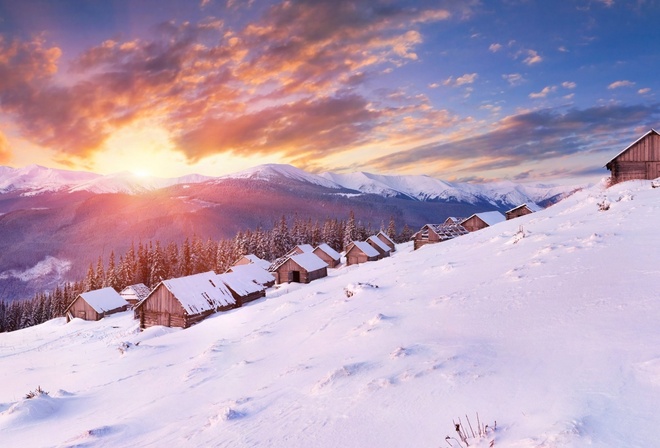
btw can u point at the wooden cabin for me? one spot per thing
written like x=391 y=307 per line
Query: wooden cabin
x=482 y=220
x=327 y=254
x=360 y=252
x=182 y=302
x=251 y=259
x=255 y=273
x=436 y=233
x=522 y=210
x=640 y=160
x=382 y=248
x=242 y=287
x=135 y=293
x=299 y=268
x=387 y=240
x=94 y=305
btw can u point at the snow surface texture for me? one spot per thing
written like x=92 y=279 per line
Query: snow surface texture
x=35 y=179
x=547 y=324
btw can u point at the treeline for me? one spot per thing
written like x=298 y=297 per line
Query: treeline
x=151 y=262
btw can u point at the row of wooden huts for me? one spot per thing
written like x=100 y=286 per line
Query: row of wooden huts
x=184 y=301
x=453 y=227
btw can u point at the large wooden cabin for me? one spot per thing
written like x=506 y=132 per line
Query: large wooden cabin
x=382 y=248
x=182 y=302
x=640 y=160
x=387 y=240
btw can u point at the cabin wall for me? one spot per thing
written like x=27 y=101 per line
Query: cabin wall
x=387 y=242
x=162 y=308
x=327 y=258
x=640 y=161
x=356 y=256
x=517 y=213
x=285 y=273
x=473 y=224
x=424 y=237
x=81 y=309
x=381 y=252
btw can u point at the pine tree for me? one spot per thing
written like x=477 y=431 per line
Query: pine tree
x=406 y=234
x=185 y=261
x=90 y=279
x=157 y=266
x=391 y=229
x=99 y=276
x=350 y=230
x=111 y=277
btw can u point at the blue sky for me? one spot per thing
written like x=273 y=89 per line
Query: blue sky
x=524 y=90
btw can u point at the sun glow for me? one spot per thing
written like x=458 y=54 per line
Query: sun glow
x=140 y=173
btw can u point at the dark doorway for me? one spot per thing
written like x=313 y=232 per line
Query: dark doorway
x=295 y=276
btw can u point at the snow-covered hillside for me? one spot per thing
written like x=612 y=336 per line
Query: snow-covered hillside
x=547 y=324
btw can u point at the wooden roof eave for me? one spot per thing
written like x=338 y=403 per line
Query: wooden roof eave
x=652 y=131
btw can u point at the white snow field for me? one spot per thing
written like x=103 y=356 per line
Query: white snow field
x=553 y=332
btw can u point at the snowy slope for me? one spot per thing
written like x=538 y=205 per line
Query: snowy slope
x=547 y=324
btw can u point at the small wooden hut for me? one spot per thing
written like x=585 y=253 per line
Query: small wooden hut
x=135 y=293
x=387 y=240
x=436 y=233
x=242 y=288
x=255 y=273
x=182 y=302
x=482 y=220
x=300 y=268
x=360 y=252
x=327 y=254
x=640 y=160
x=382 y=248
x=94 y=305
x=522 y=210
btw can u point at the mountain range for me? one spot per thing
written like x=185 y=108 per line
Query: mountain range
x=54 y=223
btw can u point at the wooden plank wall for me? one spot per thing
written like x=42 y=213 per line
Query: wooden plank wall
x=80 y=305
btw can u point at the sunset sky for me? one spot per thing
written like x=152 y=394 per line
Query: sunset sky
x=461 y=90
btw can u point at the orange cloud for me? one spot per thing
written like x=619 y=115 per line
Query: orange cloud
x=5 y=150
x=282 y=84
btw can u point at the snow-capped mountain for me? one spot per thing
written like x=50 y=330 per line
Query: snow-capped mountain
x=545 y=328
x=35 y=179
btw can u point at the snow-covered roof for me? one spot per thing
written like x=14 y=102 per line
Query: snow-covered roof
x=139 y=290
x=309 y=261
x=254 y=272
x=652 y=131
x=385 y=236
x=530 y=205
x=200 y=292
x=239 y=283
x=454 y=219
x=375 y=240
x=489 y=218
x=446 y=231
x=258 y=261
x=105 y=299
x=329 y=250
x=366 y=248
